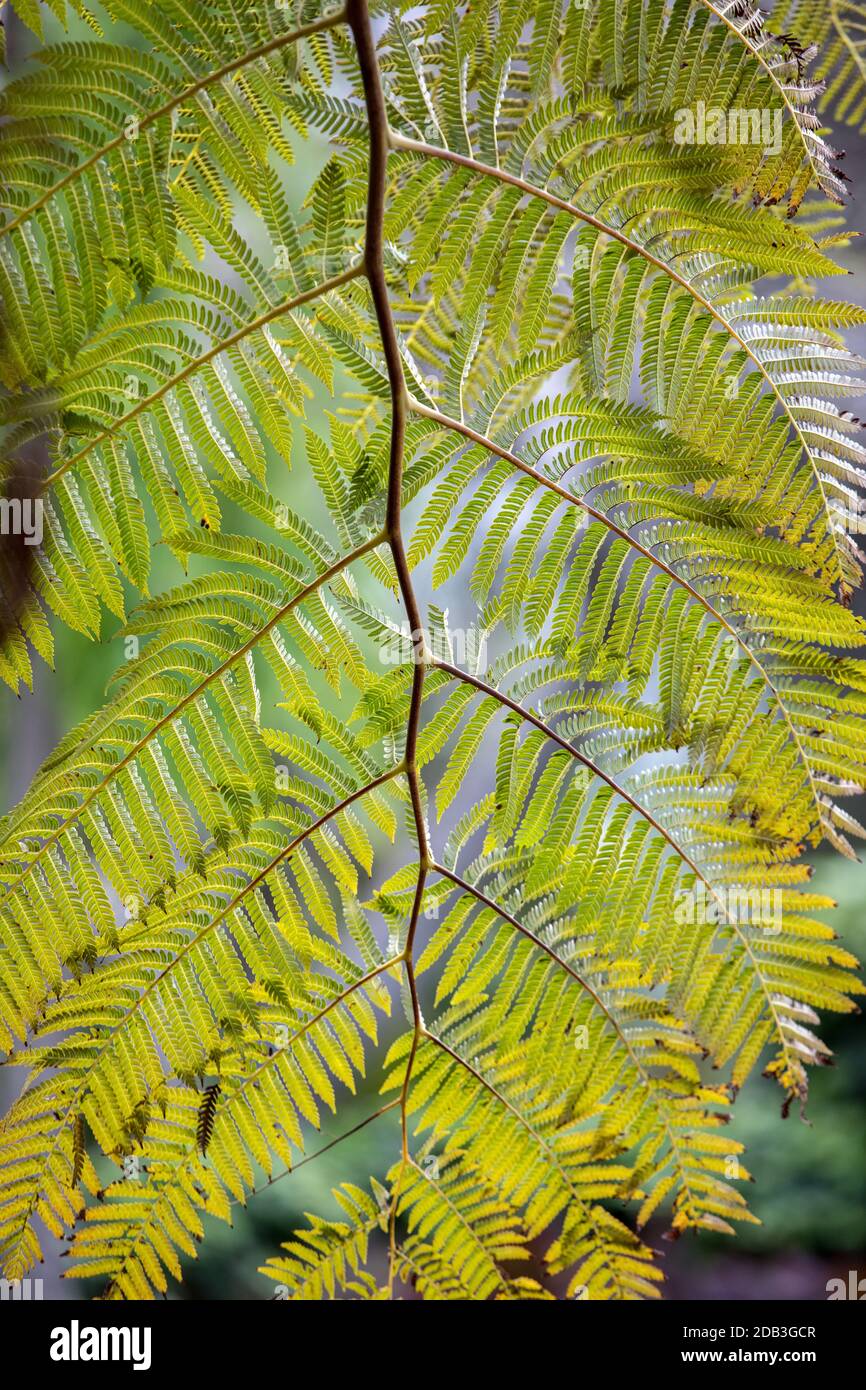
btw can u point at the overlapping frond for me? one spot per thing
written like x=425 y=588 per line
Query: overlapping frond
x=834 y=29
x=786 y=64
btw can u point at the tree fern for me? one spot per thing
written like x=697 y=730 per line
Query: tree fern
x=558 y=384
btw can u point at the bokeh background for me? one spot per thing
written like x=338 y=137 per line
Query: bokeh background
x=809 y=1171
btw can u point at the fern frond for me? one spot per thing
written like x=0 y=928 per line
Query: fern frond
x=521 y=342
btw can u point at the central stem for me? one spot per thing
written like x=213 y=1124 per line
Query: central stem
x=358 y=17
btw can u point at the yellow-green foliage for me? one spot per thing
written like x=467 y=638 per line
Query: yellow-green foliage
x=582 y=408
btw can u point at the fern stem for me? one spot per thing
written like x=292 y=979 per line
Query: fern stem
x=358 y=16
x=263 y=51
x=508 y=456
x=276 y=311
x=404 y=142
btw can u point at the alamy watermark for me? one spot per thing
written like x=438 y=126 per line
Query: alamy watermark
x=752 y=906
x=20 y=1290
x=734 y=125
x=77 y=1343
x=854 y=1289
x=464 y=647
x=22 y=516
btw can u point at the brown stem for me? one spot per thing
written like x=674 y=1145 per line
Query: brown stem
x=358 y=17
